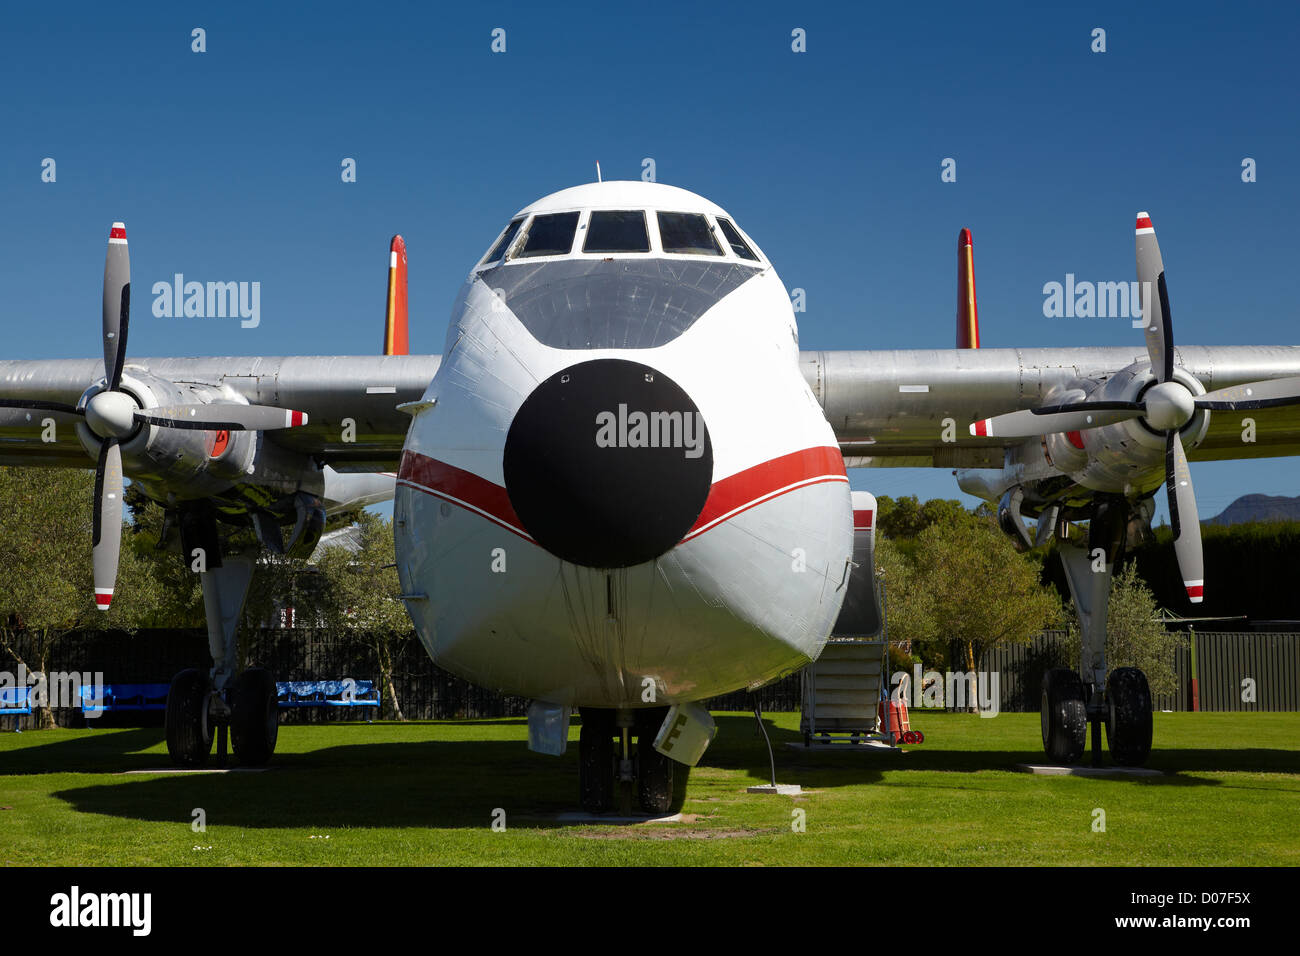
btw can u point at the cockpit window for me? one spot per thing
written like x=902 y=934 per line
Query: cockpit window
x=550 y=235
x=738 y=245
x=617 y=231
x=503 y=243
x=687 y=233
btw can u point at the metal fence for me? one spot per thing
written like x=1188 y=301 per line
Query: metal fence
x=427 y=692
x=1020 y=669
x=1232 y=666
x=1226 y=662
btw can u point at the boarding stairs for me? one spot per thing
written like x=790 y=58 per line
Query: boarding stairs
x=843 y=688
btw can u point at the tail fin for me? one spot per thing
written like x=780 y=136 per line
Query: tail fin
x=968 y=316
x=395 y=337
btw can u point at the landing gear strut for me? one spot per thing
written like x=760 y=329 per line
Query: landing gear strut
x=611 y=767
x=1073 y=701
x=201 y=708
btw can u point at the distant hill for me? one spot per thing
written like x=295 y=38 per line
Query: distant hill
x=1259 y=508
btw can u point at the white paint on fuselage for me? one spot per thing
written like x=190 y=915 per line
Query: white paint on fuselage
x=733 y=606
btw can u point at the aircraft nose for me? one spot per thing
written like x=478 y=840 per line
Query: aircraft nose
x=608 y=463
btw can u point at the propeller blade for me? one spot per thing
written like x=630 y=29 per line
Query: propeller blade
x=1031 y=422
x=1155 y=300
x=1184 y=519
x=106 y=536
x=117 y=304
x=1267 y=394
x=219 y=417
x=37 y=405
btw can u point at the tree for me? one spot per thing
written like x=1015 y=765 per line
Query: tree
x=1135 y=634
x=359 y=596
x=180 y=603
x=46 y=570
x=907 y=517
x=968 y=589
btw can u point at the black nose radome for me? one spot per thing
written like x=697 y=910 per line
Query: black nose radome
x=608 y=463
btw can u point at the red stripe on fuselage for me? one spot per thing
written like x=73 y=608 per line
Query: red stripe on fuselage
x=727 y=498
x=765 y=481
x=460 y=487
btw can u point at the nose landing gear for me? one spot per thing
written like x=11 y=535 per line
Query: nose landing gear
x=608 y=771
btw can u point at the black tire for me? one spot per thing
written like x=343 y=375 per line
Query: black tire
x=254 y=716
x=1128 y=716
x=654 y=771
x=596 y=759
x=1064 y=715
x=189 y=736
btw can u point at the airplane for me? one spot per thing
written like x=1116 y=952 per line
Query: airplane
x=623 y=488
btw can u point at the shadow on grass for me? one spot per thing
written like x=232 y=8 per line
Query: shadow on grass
x=739 y=746
x=105 y=751
x=458 y=783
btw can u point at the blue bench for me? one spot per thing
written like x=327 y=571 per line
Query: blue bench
x=15 y=701
x=114 y=698
x=327 y=693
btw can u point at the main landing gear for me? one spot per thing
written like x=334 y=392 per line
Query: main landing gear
x=203 y=708
x=612 y=770
x=1074 y=701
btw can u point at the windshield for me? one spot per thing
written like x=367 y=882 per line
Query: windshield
x=738 y=245
x=550 y=235
x=503 y=243
x=617 y=231
x=687 y=233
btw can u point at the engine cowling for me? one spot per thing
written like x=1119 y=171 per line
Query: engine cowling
x=174 y=464
x=1127 y=457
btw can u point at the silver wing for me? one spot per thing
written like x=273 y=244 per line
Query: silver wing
x=364 y=390
x=888 y=408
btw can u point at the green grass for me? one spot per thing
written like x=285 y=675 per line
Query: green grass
x=424 y=793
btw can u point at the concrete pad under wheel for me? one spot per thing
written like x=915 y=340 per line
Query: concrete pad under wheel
x=198 y=770
x=875 y=746
x=578 y=816
x=1055 y=770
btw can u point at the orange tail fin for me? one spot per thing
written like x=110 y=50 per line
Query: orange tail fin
x=968 y=316
x=395 y=334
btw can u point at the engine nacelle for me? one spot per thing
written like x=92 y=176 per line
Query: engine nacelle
x=1127 y=457
x=175 y=464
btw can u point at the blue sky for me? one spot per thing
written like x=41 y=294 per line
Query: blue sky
x=225 y=165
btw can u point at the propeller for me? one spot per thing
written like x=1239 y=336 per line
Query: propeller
x=113 y=415
x=1166 y=406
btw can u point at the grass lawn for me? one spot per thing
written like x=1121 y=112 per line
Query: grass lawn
x=424 y=793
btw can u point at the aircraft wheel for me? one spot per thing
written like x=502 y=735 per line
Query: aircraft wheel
x=654 y=776
x=1064 y=715
x=596 y=759
x=254 y=716
x=189 y=737
x=1128 y=716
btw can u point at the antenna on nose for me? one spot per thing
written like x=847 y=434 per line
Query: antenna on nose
x=598 y=179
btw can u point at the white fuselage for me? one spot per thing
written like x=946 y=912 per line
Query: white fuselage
x=587 y=603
